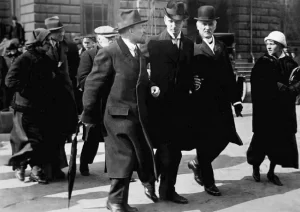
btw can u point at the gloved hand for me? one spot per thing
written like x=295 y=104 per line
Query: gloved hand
x=238 y=110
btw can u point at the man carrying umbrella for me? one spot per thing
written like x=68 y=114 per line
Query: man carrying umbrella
x=127 y=147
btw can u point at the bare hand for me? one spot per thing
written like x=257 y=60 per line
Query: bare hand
x=155 y=91
x=197 y=82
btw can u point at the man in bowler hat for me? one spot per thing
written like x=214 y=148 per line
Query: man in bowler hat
x=127 y=145
x=94 y=133
x=170 y=54
x=64 y=118
x=212 y=114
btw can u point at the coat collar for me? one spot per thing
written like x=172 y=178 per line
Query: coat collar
x=203 y=48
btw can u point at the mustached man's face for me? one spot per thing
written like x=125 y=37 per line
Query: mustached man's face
x=58 y=35
x=206 y=28
x=138 y=33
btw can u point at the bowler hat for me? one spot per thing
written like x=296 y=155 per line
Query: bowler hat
x=38 y=36
x=206 y=13
x=106 y=31
x=53 y=23
x=129 y=18
x=176 y=10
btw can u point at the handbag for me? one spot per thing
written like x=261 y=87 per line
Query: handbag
x=6 y=121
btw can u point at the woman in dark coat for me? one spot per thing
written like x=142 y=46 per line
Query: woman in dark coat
x=274 y=112
x=31 y=78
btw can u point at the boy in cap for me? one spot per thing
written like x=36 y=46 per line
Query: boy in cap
x=31 y=77
x=122 y=69
x=212 y=113
x=170 y=54
x=105 y=35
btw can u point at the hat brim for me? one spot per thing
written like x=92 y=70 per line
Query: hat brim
x=206 y=19
x=130 y=25
x=177 y=17
x=57 y=28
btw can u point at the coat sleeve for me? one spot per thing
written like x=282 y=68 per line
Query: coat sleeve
x=96 y=85
x=85 y=67
x=18 y=74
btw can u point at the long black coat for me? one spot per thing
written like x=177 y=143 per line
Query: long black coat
x=273 y=111
x=125 y=119
x=212 y=104
x=171 y=72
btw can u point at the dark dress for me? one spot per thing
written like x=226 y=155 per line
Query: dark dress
x=274 y=112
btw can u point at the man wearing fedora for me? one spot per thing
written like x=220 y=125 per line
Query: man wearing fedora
x=64 y=117
x=94 y=133
x=122 y=68
x=213 y=121
x=170 y=54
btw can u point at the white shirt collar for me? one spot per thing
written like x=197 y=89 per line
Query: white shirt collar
x=212 y=44
x=172 y=35
x=282 y=55
x=130 y=46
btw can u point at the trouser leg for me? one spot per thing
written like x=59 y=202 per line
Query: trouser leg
x=119 y=188
x=169 y=159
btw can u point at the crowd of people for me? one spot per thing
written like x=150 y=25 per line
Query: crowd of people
x=183 y=102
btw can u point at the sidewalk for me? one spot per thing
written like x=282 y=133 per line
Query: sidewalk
x=233 y=177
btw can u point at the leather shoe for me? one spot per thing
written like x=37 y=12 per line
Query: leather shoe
x=194 y=167
x=150 y=193
x=212 y=190
x=20 y=174
x=175 y=198
x=38 y=178
x=274 y=179
x=114 y=207
x=130 y=209
x=256 y=176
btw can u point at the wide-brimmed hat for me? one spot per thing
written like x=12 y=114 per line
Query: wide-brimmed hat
x=106 y=31
x=129 y=18
x=176 y=10
x=12 y=44
x=206 y=13
x=38 y=36
x=278 y=37
x=53 y=23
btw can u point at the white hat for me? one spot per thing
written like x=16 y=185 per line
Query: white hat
x=278 y=37
x=106 y=31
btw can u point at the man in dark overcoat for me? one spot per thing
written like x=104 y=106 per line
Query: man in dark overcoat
x=127 y=146
x=213 y=122
x=64 y=118
x=94 y=133
x=170 y=55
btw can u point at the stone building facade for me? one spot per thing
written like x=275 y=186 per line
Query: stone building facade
x=249 y=20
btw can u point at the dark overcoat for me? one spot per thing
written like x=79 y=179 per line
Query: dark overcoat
x=273 y=111
x=171 y=72
x=64 y=111
x=127 y=146
x=212 y=104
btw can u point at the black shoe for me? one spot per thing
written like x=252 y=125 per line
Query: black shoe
x=84 y=169
x=130 y=209
x=175 y=198
x=274 y=179
x=150 y=193
x=212 y=190
x=38 y=178
x=113 y=207
x=20 y=174
x=197 y=176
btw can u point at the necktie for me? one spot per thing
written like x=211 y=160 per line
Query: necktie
x=136 y=53
x=175 y=41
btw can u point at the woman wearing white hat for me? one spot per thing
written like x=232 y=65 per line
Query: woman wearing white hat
x=274 y=113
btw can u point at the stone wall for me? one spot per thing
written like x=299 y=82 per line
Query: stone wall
x=34 y=12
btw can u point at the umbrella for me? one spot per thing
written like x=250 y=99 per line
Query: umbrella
x=72 y=164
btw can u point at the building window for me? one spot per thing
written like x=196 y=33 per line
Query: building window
x=95 y=13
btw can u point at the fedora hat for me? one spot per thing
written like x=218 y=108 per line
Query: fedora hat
x=38 y=36
x=12 y=44
x=206 y=13
x=53 y=23
x=106 y=31
x=129 y=18
x=176 y=10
